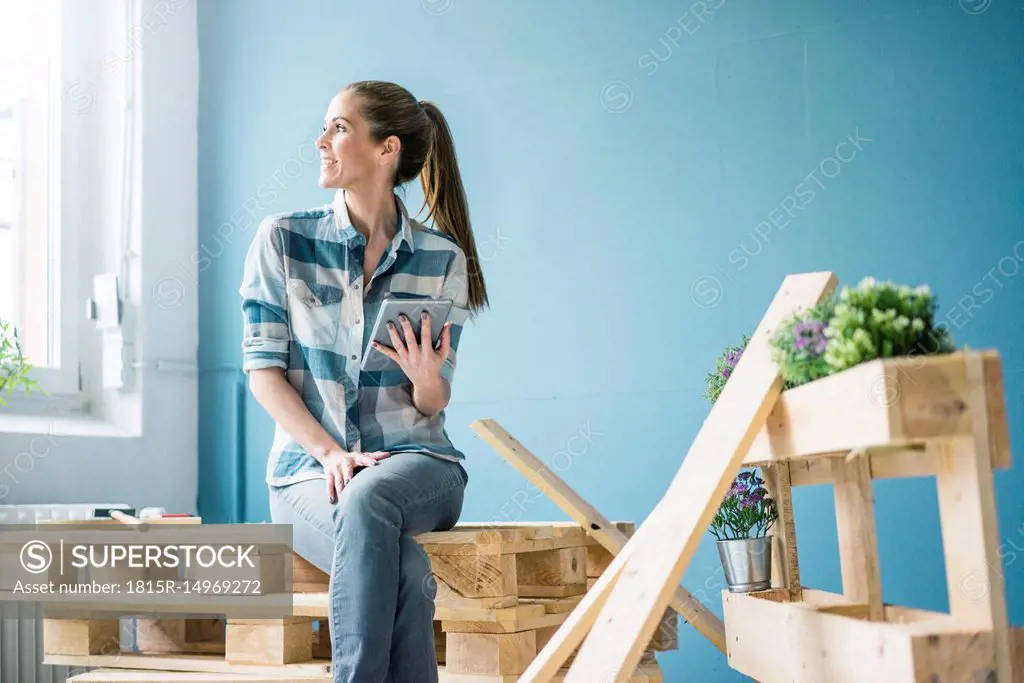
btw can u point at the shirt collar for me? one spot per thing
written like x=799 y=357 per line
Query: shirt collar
x=346 y=231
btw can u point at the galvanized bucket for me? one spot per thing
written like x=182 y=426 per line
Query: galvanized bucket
x=747 y=563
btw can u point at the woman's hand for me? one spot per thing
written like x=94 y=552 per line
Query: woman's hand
x=339 y=466
x=420 y=362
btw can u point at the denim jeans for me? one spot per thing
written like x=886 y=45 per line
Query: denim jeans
x=381 y=589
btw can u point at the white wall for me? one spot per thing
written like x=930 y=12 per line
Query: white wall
x=58 y=463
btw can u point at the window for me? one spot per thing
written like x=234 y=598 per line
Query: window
x=34 y=241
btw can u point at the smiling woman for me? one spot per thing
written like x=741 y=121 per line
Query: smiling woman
x=361 y=462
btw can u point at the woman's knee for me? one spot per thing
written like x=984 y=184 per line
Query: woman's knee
x=362 y=505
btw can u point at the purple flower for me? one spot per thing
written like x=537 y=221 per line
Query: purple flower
x=812 y=333
x=726 y=371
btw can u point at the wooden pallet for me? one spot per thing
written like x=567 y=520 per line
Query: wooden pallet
x=502 y=591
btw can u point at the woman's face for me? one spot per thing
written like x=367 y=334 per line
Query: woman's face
x=347 y=154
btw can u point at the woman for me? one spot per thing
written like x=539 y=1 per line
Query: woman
x=361 y=462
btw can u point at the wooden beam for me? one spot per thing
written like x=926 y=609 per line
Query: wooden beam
x=658 y=559
x=785 y=563
x=855 y=526
x=970 y=532
x=598 y=526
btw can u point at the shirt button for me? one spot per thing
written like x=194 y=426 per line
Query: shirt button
x=358 y=320
x=353 y=356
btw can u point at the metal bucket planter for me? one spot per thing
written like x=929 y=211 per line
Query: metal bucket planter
x=747 y=563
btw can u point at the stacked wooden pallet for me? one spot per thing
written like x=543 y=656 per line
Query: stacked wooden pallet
x=502 y=592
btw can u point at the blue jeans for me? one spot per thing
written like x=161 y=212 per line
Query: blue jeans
x=381 y=589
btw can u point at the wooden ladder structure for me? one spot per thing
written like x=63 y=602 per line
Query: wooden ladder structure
x=941 y=416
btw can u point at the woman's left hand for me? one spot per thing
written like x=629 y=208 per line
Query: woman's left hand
x=420 y=362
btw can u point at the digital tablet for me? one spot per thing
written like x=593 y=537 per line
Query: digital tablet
x=390 y=310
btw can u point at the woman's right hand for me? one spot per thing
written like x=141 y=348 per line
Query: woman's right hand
x=339 y=466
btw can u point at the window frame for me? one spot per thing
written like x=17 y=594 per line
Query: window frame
x=68 y=139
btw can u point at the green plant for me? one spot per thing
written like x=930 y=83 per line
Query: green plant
x=727 y=360
x=13 y=366
x=747 y=511
x=800 y=344
x=883 y=320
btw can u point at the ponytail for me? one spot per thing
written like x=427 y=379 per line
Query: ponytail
x=445 y=196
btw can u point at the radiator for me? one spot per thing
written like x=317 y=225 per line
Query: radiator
x=21 y=624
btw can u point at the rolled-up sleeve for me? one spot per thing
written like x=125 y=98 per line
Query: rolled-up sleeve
x=456 y=287
x=266 y=333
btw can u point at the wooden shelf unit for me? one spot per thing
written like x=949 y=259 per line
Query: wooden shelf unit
x=940 y=416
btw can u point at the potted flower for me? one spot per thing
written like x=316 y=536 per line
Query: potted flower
x=13 y=365
x=743 y=519
x=741 y=526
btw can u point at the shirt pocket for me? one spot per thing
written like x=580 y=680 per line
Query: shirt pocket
x=314 y=311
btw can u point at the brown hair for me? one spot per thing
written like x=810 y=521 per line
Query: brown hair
x=427 y=151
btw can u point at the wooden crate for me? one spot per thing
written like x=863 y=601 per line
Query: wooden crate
x=888 y=403
x=940 y=416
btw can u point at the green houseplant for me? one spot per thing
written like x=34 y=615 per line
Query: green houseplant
x=860 y=324
x=14 y=367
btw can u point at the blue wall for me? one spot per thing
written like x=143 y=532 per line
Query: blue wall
x=640 y=182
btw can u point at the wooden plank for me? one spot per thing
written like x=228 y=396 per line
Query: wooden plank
x=884 y=402
x=599 y=557
x=306 y=577
x=141 y=676
x=679 y=521
x=187 y=662
x=564 y=569
x=648 y=672
x=785 y=561
x=476 y=576
x=538 y=622
x=890 y=462
x=180 y=635
x=493 y=539
x=970 y=532
x=268 y=641
x=81 y=636
x=855 y=527
x=490 y=653
x=599 y=527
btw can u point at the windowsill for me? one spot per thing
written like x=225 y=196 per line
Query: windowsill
x=66 y=415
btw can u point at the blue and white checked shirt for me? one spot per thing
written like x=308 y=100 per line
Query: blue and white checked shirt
x=305 y=311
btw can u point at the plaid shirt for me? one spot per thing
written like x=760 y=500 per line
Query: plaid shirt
x=306 y=311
